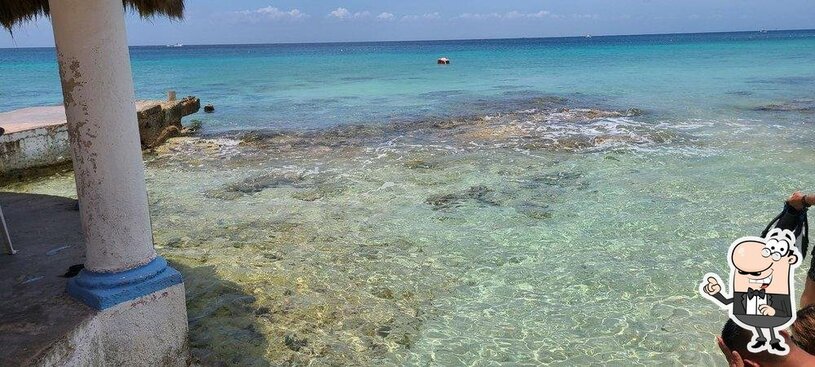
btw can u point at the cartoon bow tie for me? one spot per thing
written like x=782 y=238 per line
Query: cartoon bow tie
x=753 y=293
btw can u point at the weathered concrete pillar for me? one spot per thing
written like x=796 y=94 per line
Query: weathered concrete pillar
x=97 y=85
x=140 y=298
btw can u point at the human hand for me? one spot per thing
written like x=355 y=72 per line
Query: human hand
x=799 y=201
x=796 y=200
x=733 y=358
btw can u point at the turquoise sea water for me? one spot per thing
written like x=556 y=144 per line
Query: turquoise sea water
x=538 y=201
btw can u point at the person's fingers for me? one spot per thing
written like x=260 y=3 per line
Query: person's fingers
x=736 y=361
x=725 y=350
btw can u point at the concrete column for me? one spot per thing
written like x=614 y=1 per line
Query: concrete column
x=97 y=85
x=141 y=318
x=94 y=63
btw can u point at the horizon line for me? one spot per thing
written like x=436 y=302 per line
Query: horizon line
x=456 y=39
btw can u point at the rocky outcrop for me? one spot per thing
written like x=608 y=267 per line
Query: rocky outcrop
x=159 y=121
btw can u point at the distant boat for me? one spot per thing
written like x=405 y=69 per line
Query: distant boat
x=176 y=45
x=762 y=31
x=443 y=61
x=588 y=36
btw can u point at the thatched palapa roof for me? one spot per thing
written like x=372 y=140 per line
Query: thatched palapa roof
x=13 y=12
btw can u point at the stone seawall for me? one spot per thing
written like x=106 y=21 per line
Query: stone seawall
x=159 y=121
x=36 y=139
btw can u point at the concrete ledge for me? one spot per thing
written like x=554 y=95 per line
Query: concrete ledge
x=147 y=331
x=37 y=316
x=41 y=325
x=36 y=138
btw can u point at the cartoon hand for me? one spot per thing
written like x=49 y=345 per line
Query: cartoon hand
x=766 y=310
x=712 y=286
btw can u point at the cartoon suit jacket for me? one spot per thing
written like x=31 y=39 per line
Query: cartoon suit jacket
x=780 y=302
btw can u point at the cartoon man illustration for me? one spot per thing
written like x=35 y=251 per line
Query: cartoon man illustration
x=762 y=287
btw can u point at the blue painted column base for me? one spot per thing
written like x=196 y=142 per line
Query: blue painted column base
x=105 y=290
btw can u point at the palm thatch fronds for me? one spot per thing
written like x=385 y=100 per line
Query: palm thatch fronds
x=13 y=12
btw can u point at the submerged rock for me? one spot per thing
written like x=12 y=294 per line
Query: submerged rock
x=419 y=164
x=449 y=124
x=557 y=179
x=192 y=128
x=445 y=201
x=294 y=343
x=481 y=194
x=383 y=292
x=790 y=106
x=255 y=184
x=535 y=211
x=594 y=114
x=322 y=191
x=383 y=331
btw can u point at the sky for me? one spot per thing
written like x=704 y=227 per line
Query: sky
x=265 y=21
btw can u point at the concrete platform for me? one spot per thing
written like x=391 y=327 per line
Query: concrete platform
x=41 y=325
x=36 y=138
x=32 y=118
x=37 y=317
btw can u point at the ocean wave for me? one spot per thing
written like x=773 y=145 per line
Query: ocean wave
x=578 y=130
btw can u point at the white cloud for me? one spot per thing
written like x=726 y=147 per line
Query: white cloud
x=540 y=14
x=344 y=14
x=479 y=16
x=385 y=16
x=341 y=13
x=508 y=15
x=585 y=16
x=269 y=13
x=427 y=16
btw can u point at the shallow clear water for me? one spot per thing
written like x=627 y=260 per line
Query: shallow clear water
x=537 y=202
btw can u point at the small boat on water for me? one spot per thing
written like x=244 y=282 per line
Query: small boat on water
x=176 y=45
x=443 y=61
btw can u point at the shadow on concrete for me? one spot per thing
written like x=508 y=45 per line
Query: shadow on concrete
x=35 y=309
x=225 y=326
